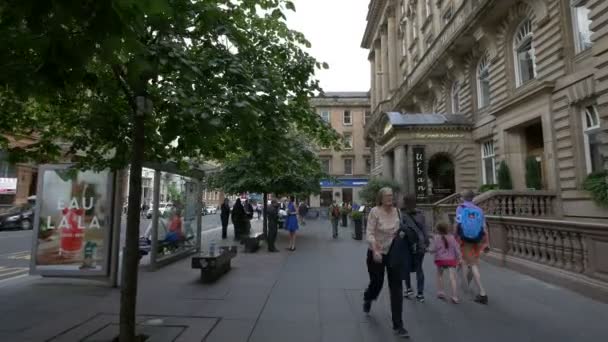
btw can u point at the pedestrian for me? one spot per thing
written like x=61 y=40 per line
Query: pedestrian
x=386 y=252
x=344 y=213
x=224 y=215
x=447 y=257
x=248 y=216
x=414 y=224
x=302 y=211
x=238 y=218
x=258 y=209
x=471 y=228
x=273 y=225
x=292 y=223
x=334 y=217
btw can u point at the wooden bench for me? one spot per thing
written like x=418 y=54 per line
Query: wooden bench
x=214 y=266
x=252 y=242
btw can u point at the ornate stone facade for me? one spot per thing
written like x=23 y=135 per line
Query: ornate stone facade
x=529 y=76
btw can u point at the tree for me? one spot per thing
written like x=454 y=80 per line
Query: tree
x=504 y=177
x=287 y=168
x=369 y=193
x=108 y=84
x=533 y=174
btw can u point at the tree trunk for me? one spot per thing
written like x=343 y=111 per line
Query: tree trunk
x=128 y=291
x=265 y=220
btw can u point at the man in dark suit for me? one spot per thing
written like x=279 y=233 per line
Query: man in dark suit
x=273 y=225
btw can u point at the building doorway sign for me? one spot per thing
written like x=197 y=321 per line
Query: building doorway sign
x=420 y=173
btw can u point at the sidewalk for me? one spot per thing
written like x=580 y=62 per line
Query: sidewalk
x=312 y=294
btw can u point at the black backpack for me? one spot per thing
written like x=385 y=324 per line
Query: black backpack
x=413 y=233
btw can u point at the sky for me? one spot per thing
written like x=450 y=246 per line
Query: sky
x=335 y=30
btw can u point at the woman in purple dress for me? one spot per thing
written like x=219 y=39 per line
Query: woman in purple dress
x=292 y=223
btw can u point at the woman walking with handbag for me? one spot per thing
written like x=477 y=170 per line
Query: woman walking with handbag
x=385 y=253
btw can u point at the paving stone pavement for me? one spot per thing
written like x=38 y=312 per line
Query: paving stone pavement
x=312 y=294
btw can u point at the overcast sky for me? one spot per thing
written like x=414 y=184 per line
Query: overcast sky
x=335 y=30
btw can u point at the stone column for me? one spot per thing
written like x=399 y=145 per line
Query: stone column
x=399 y=167
x=387 y=165
x=378 y=78
x=392 y=53
x=410 y=182
x=372 y=79
x=385 y=65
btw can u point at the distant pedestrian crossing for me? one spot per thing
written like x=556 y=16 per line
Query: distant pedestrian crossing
x=12 y=272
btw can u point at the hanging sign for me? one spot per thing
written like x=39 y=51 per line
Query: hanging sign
x=420 y=173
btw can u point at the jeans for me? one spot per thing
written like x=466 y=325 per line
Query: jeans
x=334 y=227
x=418 y=258
x=376 y=281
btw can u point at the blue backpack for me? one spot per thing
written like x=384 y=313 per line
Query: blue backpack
x=471 y=224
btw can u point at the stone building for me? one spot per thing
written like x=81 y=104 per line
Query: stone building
x=347 y=113
x=458 y=86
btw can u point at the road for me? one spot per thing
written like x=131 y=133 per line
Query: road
x=15 y=248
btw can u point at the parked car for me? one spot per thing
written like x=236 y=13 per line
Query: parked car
x=18 y=217
x=211 y=210
x=162 y=209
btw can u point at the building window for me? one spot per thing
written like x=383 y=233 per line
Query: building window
x=348 y=141
x=326 y=165
x=525 y=59
x=488 y=159
x=366 y=117
x=347 y=119
x=455 y=95
x=368 y=165
x=591 y=128
x=483 y=82
x=325 y=115
x=348 y=166
x=582 y=26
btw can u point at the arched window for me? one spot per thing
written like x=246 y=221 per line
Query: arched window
x=483 y=82
x=455 y=96
x=591 y=130
x=525 y=60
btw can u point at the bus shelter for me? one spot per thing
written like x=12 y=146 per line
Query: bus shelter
x=80 y=220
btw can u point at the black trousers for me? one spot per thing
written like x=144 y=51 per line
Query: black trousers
x=272 y=235
x=224 y=227
x=395 y=286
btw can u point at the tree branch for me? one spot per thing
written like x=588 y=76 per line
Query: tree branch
x=119 y=74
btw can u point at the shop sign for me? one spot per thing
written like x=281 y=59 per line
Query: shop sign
x=73 y=222
x=420 y=173
x=438 y=136
x=8 y=186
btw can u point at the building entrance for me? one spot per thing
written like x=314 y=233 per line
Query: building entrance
x=441 y=174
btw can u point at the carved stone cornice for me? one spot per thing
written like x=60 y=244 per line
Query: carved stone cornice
x=374 y=16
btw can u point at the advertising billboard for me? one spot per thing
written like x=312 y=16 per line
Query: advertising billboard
x=73 y=222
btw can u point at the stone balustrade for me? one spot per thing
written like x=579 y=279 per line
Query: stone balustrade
x=570 y=253
x=518 y=203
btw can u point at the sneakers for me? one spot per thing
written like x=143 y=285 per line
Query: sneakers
x=481 y=299
x=420 y=298
x=408 y=293
x=401 y=332
x=367 y=306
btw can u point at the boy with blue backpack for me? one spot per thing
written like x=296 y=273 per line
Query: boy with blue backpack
x=472 y=233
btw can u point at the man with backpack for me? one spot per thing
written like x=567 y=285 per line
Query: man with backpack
x=472 y=233
x=334 y=216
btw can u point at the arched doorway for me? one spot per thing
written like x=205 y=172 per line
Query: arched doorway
x=441 y=176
